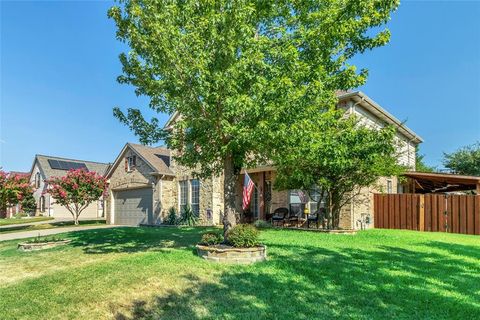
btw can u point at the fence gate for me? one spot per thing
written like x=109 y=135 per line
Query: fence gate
x=429 y=212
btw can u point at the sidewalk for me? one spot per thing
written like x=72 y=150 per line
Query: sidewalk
x=8 y=226
x=47 y=232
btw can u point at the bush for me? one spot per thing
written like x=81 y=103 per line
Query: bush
x=243 y=236
x=261 y=224
x=211 y=238
x=188 y=217
x=172 y=218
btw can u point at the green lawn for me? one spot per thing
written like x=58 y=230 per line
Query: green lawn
x=51 y=225
x=148 y=273
x=6 y=222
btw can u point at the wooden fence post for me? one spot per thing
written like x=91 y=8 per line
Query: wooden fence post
x=422 y=213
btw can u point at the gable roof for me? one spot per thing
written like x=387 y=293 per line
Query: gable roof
x=151 y=156
x=367 y=103
x=374 y=108
x=48 y=172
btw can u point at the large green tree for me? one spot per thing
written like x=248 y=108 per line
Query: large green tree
x=465 y=160
x=336 y=155
x=239 y=72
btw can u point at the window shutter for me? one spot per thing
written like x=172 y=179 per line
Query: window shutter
x=134 y=161
x=126 y=164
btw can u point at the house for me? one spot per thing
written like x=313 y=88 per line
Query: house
x=46 y=167
x=145 y=181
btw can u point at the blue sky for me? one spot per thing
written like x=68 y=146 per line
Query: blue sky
x=59 y=66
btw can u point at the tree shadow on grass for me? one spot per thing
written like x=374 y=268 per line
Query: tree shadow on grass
x=311 y=282
x=135 y=239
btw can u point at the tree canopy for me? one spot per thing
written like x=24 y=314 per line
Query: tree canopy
x=77 y=190
x=339 y=158
x=239 y=72
x=13 y=189
x=465 y=160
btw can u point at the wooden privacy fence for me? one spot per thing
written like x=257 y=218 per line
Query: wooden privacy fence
x=429 y=212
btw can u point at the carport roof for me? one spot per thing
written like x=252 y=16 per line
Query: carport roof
x=443 y=182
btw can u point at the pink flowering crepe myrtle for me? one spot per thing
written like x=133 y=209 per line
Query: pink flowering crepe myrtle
x=77 y=190
x=13 y=188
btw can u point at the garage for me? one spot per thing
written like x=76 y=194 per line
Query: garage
x=134 y=206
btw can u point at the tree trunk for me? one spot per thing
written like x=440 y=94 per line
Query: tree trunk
x=75 y=219
x=229 y=196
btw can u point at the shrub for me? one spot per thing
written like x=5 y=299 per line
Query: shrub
x=188 y=217
x=243 y=236
x=39 y=239
x=172 y=218
x=211 y=238
x=261 y=224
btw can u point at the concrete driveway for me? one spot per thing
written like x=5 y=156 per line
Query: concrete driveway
x=47 y=232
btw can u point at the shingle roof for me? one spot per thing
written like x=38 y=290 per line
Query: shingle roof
x=48 y=172
x=150 y=154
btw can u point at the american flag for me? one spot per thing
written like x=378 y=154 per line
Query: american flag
x=248 y=186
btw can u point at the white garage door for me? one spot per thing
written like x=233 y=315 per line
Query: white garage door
x=133 y=207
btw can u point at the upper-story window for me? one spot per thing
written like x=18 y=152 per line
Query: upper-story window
x=130 y=163
x=37 y=180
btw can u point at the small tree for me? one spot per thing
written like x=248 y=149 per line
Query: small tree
x=28 y=203
x=339 y=157
x=13 y=189
x=465 y=160
x=238 y=72
x=77 y=190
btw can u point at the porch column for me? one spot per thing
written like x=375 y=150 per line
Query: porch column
x=261 y=189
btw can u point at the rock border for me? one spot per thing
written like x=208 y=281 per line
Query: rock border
x=24 y=246
x=228 y=254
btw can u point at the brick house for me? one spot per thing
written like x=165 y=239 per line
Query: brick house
x=145 y=181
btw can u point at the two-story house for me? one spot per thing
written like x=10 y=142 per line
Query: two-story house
x=145 y=181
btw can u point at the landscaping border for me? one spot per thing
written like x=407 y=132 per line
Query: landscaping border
x=228 y=254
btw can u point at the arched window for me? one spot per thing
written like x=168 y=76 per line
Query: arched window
x=42 y=204
x=37 y=180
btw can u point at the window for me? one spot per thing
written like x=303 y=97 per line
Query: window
x=254 y=204
x=189 y=195
x=42 y=204
x=183 y=195
x=37 y=180
x=131 y=163
x=195 y=203
x=389 y=186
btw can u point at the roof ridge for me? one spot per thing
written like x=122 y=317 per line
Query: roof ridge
x=63 y=158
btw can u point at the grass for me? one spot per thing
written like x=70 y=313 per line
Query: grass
x=6 y=222
x=153 y=273
x=52 y=225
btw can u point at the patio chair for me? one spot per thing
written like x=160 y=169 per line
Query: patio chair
x=296 y=214
x=317 y=217
x=279 y=215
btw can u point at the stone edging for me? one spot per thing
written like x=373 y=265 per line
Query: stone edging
x=227 y=254
x=41 y=245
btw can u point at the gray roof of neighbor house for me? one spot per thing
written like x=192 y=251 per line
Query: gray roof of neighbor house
x=158 y=158
x=367 y=103
x=47 y=171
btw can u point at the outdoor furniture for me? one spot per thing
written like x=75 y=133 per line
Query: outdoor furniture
x=279 y=215
x=296 y=214
x=317 y=217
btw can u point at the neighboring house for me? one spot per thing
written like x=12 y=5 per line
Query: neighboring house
x=46 y=167
x=145 y=181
